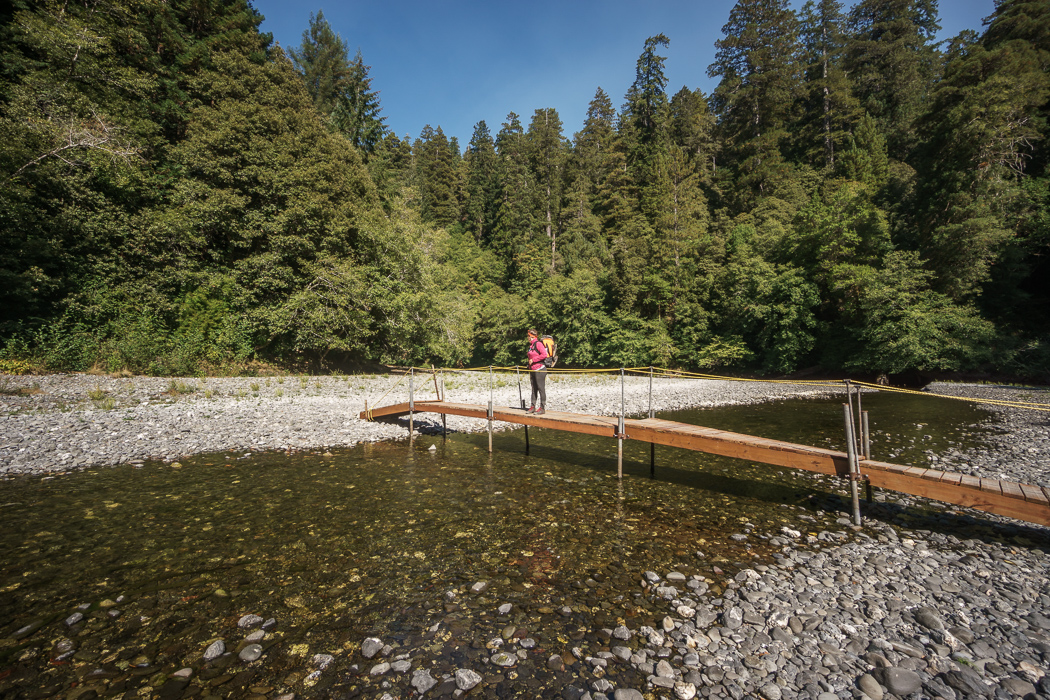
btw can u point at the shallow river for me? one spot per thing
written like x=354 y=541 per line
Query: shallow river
x=112 y=580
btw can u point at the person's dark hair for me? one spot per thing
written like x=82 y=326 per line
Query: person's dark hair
x=532 y=331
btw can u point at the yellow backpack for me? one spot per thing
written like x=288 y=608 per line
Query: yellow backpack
x=552 y=350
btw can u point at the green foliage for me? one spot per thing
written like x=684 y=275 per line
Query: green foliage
x=180 y=198
x=723 y=352
x=900 y=323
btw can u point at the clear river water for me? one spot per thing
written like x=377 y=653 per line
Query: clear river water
x=112 y=580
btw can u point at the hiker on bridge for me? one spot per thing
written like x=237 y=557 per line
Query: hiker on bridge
x=538 y=374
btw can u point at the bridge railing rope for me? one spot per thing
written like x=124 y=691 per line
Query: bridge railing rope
x=667 y=373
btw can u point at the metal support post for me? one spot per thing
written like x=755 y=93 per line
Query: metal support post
x=526 y=429
x=652 y=445
x=491 y=389
x=411 y=402
x=620 y=431
x=854 y=465
x=865 y=436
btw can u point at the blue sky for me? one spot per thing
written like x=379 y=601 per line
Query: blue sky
x=451 y=64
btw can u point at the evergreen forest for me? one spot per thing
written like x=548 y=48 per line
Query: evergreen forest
x=182 y=196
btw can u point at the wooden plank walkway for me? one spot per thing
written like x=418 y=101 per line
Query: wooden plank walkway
x=1026 y=502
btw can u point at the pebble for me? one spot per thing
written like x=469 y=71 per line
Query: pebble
x=370 y=647
x=422 y=681
x=466 y=679
x=503 y=659
x=249 y=621
x=215 y=650
x=251 y=652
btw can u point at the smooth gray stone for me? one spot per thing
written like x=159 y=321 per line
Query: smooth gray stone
x=899 y=681
x=215 y=650
x=1016 y=686
x=733 y=618
x=627 y=694
x=251 y=652
x=504 y=659
x=929 y=618
x=870 y=686
x=248 y=621
x=968 y=682
x=771 y=691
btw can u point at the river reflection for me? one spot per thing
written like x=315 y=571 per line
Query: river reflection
x=390 y=540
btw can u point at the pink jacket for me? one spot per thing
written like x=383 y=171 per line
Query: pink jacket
x=537 y=353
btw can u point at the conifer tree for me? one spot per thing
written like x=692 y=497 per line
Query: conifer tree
x=547 y=153
x=589 y=166
x=692 y=128
x=437 y=177
x=324 y=63
x=892 y=61
x=756 y=65
x=515 y=188
x=481 y=184
x=986 y=117
x=829 y=109
x=357 y=114
x=340 y=87
x=646 y=118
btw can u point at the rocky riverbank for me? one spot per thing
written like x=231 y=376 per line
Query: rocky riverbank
x=921 y=601
x=57 y=423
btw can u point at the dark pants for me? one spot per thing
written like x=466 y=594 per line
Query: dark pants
x=539 y=386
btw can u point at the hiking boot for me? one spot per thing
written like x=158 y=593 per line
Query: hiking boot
x=532 y=409
x=540 y=411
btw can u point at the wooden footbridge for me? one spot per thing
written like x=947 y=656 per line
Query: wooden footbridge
x=1021 y=501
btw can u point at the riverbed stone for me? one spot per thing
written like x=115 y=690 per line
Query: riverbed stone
x=503 y=659
x=687 y=691
x=370 y=647
x=248 y=621
x=251 y=652
x=929 y=618
x=215 y=650
x=466 y=678
x=422 y=681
